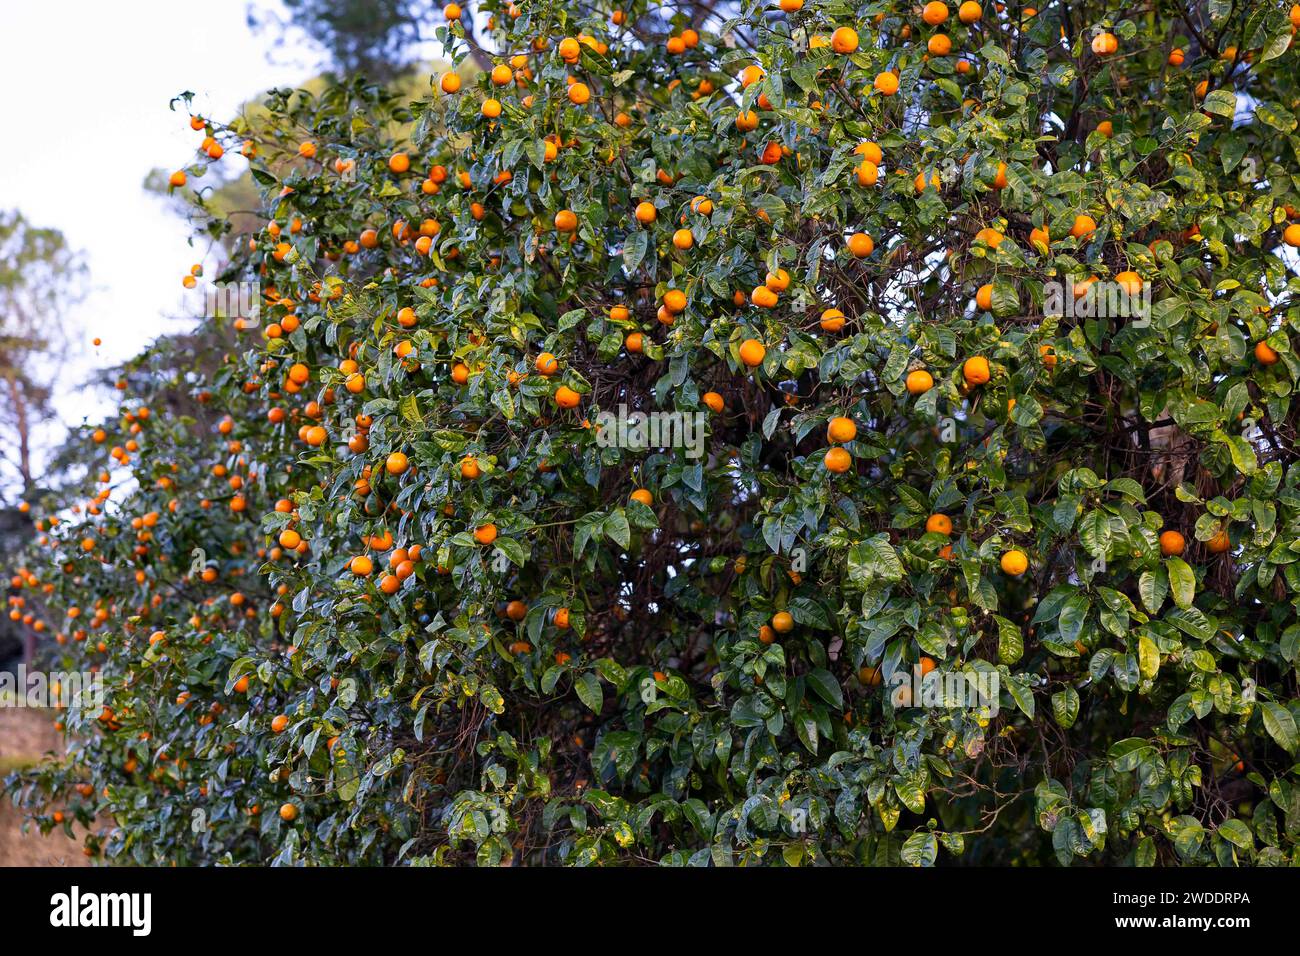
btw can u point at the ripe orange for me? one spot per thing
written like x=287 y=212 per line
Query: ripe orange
x=1291 y=235
x=714 y=401
x=396 y=463
x=1084 y=227
x=1104 y=44
x=984 y=296
x=279 y=723
x=1172 y=543
x=976 y=370
x=1015 y=562
x=886 y=83
x=938 y=524
x=969 y=12
x=634 y=343
x=469 y=468
x=919 y=382
x=485 y=534
x=861 y=245
x=450 y=83
x=934 y=12
x=566 y=397
x=778 y=281
x=837 y=460
x=642 y=495
x=288 y=813
x=646 y=213
x=399 y=163
x=546 y=364
x=832 y=320
x=844 y=40
x=841 y=430
x=1219 y=542
x=1265 y=354
x=752 y=352
x=782 y=622
x=566 y=220
x=361 y=566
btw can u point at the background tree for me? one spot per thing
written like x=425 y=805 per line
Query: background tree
x=41 y=279
x=374 y=37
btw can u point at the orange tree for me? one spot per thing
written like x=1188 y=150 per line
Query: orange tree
x=396 y=589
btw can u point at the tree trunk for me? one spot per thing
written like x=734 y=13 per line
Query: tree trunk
x=24 y=432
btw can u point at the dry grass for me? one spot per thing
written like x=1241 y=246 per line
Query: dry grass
x=25 y=736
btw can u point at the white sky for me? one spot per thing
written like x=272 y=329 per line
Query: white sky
x=84 y=87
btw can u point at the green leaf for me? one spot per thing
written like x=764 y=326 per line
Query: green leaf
x=1182 y=581
x=920 y=849
x=825 y=685
x=874 y=558
x=1011 y=642
x=1094 y=532
x=1065 y=706
x=1280 y=725
x=1220 y=102
x=617 y=528
x=1148 y=657
x=589 y=692
x=514 y=551
x=1153 y=588
x=1237 y=833
x=634 y=250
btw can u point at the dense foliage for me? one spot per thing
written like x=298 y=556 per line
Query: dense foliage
x=377 y=589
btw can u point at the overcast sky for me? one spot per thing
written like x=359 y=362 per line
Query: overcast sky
x=84 y=88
